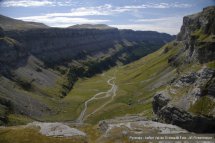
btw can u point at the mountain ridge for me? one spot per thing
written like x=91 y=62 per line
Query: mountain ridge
x=91 y=26
x=13 y=24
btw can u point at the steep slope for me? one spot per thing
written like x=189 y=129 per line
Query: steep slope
x=189 y=99
x=12 y=24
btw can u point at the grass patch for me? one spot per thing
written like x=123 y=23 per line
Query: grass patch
x=211 y=65
x=15 y=119
x=30 y=135
x=203 y=106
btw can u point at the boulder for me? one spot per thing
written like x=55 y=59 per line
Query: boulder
x=159 y=101
x=186 y=80
x=103 y=125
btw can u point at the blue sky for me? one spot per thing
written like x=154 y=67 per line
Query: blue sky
x=157 y=15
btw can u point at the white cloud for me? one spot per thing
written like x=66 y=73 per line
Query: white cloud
x=107 y=8
x=78 y=16
x=26 y=3
x=75 y=16
x=35 y=3
x=62 y=21
x=169 y=25
x=156 y=5
x=86 y=11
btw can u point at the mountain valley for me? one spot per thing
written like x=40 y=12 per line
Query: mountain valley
x=107 y=83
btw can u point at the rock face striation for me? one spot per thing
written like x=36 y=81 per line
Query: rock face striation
x=189 y=100
x=197 y=33
x=177 y=116
x=55 y=46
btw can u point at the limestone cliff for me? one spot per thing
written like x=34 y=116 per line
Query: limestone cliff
x=188 y=100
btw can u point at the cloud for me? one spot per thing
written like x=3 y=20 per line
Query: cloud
x=103 y=10
x=86 y=11
x=169 y=25
x=34 y=3
x=75 y=16
x=79 y=16
x=166 y=24
x=26 y=3
x=157 y=5
x=62 y=21
x=107 y=8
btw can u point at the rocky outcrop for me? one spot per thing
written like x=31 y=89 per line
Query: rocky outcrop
x=211 y=88
x=135 y=125
x=204 y=20
x=176 y=116
x=56 y=129
x=197 y=33
x=200 y=78
x=190 y=88
x=11 y=51
x=159 y=101
x=193 y=90
x=177 y=111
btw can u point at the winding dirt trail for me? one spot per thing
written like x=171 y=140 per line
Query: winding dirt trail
x=110 y=93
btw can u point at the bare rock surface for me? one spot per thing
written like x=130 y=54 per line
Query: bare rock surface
x=57 y=129
x=137 y=125
x=160 y=100
x=177 y=111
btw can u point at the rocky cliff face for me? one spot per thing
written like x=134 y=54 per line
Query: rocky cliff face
x=197 y=33
x=57 y=45
x=204 y=20
x=188 y=101
x=10 y=51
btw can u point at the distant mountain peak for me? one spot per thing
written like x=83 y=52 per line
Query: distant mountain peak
x=8 y=23
x=91 y=26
